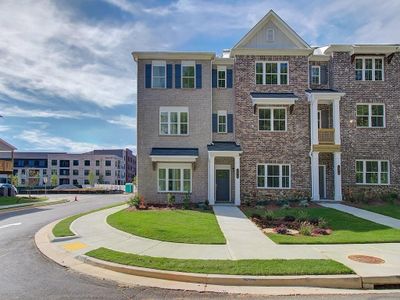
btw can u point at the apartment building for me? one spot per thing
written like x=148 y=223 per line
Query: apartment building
x=108 y=166
x=273 y=118
x=6 y=160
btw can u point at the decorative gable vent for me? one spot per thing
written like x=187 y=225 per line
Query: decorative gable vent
x=270 y=35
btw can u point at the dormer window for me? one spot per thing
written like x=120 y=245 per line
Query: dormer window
x=270 y=35
x=369 y=68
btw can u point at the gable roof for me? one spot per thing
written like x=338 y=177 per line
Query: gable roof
x=271 y=16
x=4 y=146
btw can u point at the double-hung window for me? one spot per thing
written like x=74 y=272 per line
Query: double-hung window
x=369 y=68
x=174 y=177
x=273 y=176
x=159 y=74
x=272 y=119
x=174 y=120
x=372 y=172
x=222 y=121
x=371 y=115
x=315 y=75
x=272 y=73
x=221 y=76
x=188 y=74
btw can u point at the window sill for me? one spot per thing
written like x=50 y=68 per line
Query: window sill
x=171 y=192
x=358 y=127
x=374 y=184
x=274 y=188
x=173 y=135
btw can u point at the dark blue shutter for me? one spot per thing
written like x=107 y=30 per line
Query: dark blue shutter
x=148 y=76
x=214 y=78
x=324 y=74
x=229 y=78
x=177 y=76
x=169 y=76
x=230 y=122
x=198 y=76
x=214 y=122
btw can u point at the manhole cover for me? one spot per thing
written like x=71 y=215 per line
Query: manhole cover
x=366 y=259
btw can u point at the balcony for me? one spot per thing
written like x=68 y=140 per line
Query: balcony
x=326 y=136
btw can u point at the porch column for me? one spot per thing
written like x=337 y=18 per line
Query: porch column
x=338 y=176
x=237 y=180
x=314 y=121
x=315 y=176
x=336 y=120
x=211 y=179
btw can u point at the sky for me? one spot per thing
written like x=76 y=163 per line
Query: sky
x=68 y=80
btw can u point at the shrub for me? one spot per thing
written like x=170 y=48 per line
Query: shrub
x=313 y=221
x=289 y=218
x=207 y=203
x=134 y=201
x=255 y=216
x=322 y=223
x=286 y=206
x=302 y=215
x=186 y=201
x=306 y=228
x=281 y=229
x=269 y=215
x=170 y=200
x=390 y=197
x=304 y=203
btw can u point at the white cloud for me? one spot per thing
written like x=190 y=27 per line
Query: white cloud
x=4 y=128
x=124 y=121
x=19 y=112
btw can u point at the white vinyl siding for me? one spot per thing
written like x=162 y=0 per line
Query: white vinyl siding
x=372 y=172
x=369 y=69
x=174 y=177
x=272 y=73
x=370 y=115
x=273 y=176
x=174 y=121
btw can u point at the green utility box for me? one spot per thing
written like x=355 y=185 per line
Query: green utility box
x=128 y=188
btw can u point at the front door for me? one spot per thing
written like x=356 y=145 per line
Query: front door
x=322 y=182
x=222 y=185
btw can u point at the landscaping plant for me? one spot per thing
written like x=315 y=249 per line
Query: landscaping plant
x=269 y=215
x=186 y=201
x=302 y=215
x=306 y=228
x=134 y=201
x=170 y=200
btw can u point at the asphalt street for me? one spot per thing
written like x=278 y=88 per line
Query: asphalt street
x=26 y=274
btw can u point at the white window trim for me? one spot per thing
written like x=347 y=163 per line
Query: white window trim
x=280 y=177
x=222 y=113
x=188 y=63
x=370 y=115
x=221 y=69
x=180 y=166
x=272 y=118
x=379 y=171
x=169 y=110
x=264 y=73
x=319 y=74
x=363 y=58
x=158 y=63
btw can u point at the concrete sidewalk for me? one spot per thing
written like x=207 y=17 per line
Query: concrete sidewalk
x=244 y=241
x=365 y=214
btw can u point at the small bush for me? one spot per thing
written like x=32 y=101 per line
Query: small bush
x=134 y=201
x=313 y=221
x=302 y=215
x=306 y=229
x=286 y=206
x=255 y=216
x=186 y=201
x=281 y=229
x=322 y=223
x=170 y=200
x=207 y=203
x=289 y=218
x=304 y=203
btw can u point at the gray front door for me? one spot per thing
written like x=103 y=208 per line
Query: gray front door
x=222 y=185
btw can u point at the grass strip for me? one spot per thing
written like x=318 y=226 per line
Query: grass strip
x=256 y=267
x=62 y=228
x=20 y=200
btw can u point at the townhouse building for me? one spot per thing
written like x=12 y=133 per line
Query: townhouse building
x=272 y=118
x=108 y=166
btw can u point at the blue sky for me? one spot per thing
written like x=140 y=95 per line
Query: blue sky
x=67 y=79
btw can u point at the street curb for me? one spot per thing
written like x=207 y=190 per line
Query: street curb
x=31 y=205
x=326 y=281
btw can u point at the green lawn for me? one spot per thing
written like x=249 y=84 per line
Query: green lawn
x=255 y=267
x=62 y=228
x=180 y=226
x=347 y=229
x=391 y=210
x=20 y=200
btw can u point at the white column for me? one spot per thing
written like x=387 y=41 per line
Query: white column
x=337 y=176
x=314 y=121
x=315 y=176
x=336 y=120
x=237 y=180
x=211 y=179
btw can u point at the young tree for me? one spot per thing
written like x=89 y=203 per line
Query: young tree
x=101 y=179
x=134 y=180
x=53 y=180
x=14 y=180
x=91 y=178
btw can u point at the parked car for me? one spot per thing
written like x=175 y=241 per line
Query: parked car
x=8 y=185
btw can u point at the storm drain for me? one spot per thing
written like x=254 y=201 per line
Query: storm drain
x=366 y=259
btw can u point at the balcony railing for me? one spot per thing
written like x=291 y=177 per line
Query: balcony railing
x=326 y=135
